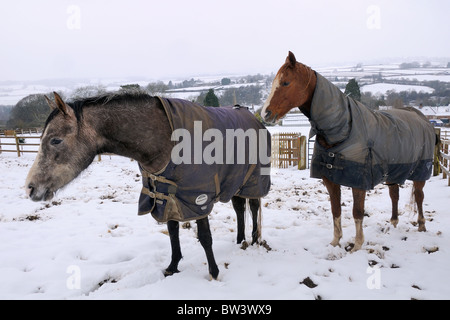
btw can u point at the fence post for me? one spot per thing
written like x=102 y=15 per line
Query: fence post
x=437 y=150
x=302 y=153
x=444 y=160
x=17 y=144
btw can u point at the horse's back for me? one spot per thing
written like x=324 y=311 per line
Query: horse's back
x=383 y=146
x=217 y=162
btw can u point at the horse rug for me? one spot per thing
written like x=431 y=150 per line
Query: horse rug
x=212 y=170
x=368 y=147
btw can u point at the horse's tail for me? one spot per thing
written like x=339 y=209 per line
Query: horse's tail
x=260 y=221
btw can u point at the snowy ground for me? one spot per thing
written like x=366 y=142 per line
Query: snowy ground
x=89 y=243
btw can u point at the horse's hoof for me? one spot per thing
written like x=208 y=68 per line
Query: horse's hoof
x=394 y=222
x=422 y=228
x=214 y=275
x=353 y=247
x=244 y=245
x=168 y=273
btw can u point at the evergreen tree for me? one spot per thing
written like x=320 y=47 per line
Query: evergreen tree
x=211 y=99
x=352 y=90
x=225 y=81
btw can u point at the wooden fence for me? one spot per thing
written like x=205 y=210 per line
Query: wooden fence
x=444 y=156
x=21 y=131
x=445 y=135
x=10 y=141
x=288 y=149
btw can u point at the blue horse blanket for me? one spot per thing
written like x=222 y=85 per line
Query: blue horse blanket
x=217 y=153
x=368 y=147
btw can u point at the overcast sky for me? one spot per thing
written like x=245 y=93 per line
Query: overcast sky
x=176 y=38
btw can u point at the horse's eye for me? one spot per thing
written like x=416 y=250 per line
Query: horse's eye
x=55 y=141
x=285 y=84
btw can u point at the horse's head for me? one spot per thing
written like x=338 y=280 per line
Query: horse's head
x=292 y=87
x=67 y=148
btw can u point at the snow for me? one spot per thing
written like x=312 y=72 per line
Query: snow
x=423 y=77
x=89 y=243
x=382 y=88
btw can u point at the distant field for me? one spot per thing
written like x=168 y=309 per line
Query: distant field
x=12 y=92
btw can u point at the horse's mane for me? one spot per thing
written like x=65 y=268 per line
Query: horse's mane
x=110 y=98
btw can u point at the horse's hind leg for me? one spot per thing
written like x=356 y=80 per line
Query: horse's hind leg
x=419 y=196
x=239 y=207
x=205 y=238
x=174 y=233
x=255 y=208
x=359 y=197
x=334 y=190
x=394 y=194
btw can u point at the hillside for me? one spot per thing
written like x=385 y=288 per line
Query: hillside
x=377 y=80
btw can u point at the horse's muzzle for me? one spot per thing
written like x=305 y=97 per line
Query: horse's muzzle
x=269 y=117
x=36 y=194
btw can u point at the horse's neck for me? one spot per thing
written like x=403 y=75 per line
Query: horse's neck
x=141 y=132
x=310 y=88
x=329 y=113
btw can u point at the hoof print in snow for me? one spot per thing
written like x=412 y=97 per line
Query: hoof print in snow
x=430 y=250
x=265 y=245
x=309 y=283
x=108 y=280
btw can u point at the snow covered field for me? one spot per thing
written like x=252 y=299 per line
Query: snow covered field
x=383 y=88
x=89 y=243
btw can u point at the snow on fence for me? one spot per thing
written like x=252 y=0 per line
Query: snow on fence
x=288 y=149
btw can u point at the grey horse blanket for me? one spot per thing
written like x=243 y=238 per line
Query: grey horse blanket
x=217 y=153
x=369 y=147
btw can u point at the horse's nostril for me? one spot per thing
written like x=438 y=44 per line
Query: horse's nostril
x=30 y=190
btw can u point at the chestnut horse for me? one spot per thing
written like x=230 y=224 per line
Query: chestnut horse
x=298 y=86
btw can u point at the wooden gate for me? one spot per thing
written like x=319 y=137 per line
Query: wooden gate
x=288 y=149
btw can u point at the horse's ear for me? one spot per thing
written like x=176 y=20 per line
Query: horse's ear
x=51 y=104
x=60 y=104
x=291 y=59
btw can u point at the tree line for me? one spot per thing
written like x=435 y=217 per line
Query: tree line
x=33 y=110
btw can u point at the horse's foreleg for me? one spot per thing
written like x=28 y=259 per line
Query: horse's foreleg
x=205 y=238
x=394 y=194
x=174 y=233
x=358 y=215
x=334 y=190
x=255 y=208
x=419 y=196
x=239 y=208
